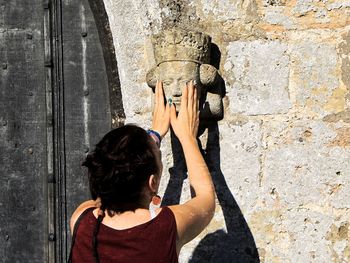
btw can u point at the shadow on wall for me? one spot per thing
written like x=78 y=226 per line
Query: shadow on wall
x=237 y=244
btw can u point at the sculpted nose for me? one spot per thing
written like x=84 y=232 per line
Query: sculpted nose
x=176 y=89
x=177 y=92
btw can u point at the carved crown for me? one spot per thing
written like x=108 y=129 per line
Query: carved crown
x=181 y=45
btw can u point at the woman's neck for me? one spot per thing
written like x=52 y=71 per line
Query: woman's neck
x=127 y=219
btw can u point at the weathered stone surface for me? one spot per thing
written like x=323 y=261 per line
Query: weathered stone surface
x=280 y=157
x=130 y=25
x=303 y=7
x=344 y=54
x=306 y=157
x=306 y=243
x=314 y=76
x=261 y=74
x=301 y=243
x=342 y=103
x=276 y=16
x=338 y=235
x=303 y=178
x=222 y=10
x=240 y=164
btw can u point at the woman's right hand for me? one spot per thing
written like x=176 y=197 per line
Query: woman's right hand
x=185 y=125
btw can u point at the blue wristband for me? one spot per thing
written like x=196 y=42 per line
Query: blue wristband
x=156 y=136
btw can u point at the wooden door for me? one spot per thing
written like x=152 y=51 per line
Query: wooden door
x=59 y=91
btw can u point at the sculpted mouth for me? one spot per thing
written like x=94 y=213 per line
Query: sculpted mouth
x=176 y=101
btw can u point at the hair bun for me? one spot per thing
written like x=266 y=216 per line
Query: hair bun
x=119 y=167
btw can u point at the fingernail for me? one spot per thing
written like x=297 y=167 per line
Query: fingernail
x=170 y=101
x=194 y=82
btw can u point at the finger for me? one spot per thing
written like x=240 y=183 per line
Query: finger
x=195 y=101
x=190 y=95
x=161 y=106
x=167 y=111
x=161 y=93
x=155 y=106
x=166 y=117
x=195 y=114
x=158 y=90
x=184 y=97
x=156 y=93
x=196 y=124
x=191 y=101
x=173 y=115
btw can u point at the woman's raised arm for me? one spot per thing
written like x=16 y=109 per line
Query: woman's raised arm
x=194 y=215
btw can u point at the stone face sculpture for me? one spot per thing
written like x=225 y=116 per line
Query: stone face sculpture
x=182 y=56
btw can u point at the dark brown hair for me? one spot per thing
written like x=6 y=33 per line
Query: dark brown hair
x=118 y=169
x=120 y=166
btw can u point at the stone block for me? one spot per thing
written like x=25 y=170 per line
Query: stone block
x=275 y=15
x=240 y=161
x=302 y=243
x=221 y=10
x=130 y=27
x=305 y=240
x=302 y=7
x=305 y=185
x=314 y=76
x=261 y=74
x=332 y=13
x=306 y=162
x=229 y=10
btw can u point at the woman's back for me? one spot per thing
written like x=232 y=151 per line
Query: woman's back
x=153 y=241
x=124 y=176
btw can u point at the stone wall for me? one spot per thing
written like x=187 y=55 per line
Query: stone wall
x=281 y=155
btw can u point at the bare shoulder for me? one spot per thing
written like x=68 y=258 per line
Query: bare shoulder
x=81 y=208
x=191 y=219
x=183 y=213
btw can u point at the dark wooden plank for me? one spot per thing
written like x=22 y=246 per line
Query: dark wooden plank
x=22 y=133
x=19 y=14
x=24 y=124
x=87 y=106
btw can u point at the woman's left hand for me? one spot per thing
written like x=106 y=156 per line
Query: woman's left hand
x=161 y=114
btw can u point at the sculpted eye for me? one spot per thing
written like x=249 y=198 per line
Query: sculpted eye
x=167 y=82
x=183 y=82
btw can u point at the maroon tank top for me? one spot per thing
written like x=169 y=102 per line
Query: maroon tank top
x=153 y=241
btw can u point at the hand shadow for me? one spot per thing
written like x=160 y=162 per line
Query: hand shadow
x=178 y=173
x=235 y=245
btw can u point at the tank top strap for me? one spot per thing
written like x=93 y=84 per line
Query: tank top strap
x=75 y=229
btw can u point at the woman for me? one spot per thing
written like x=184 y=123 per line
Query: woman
x=125 y=169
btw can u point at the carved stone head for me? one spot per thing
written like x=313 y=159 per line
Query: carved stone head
x=182 y=56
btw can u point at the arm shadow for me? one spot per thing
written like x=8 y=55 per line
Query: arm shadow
x=237 y=243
